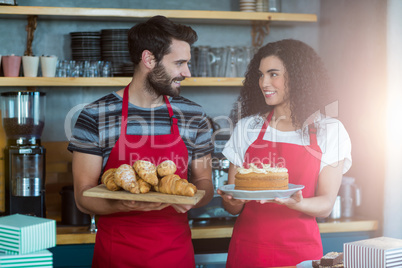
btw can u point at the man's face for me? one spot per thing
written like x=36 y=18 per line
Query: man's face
x=165 y=77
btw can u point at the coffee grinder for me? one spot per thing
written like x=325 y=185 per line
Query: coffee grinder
x=23 y=116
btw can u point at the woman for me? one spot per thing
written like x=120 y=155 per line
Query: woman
x=281 y=124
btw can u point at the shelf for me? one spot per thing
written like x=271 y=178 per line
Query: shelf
x=108 y=81
x=204 y=16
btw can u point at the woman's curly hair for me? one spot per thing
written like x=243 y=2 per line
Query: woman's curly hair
x=305 y=76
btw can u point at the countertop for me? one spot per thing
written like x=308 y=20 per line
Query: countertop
x=67 y=235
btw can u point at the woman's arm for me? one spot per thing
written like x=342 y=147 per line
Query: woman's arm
x=329 y=182
x=231 y=205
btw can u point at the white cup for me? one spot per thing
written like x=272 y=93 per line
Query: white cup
x=30 y=65
x=48 y=64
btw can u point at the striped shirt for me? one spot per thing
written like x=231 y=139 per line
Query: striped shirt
x=98 y=126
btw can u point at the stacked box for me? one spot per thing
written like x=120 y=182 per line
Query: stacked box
x=24 y=241
x=21 y=234
x=380 y=252
x=43 y=258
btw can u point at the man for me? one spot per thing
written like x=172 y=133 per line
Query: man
x=147 y=120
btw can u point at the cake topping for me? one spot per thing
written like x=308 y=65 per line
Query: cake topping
x=265 y=169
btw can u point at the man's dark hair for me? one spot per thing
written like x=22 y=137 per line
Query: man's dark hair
x=156 y=35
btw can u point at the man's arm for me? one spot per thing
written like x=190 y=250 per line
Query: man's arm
x=201 y=177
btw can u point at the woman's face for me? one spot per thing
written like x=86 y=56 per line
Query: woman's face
x=272 y=81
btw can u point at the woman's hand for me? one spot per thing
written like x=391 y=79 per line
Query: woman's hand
x=290 y=202
x=230 y=199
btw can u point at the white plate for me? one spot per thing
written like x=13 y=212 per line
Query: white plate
x=305 y=264
x=260 y=195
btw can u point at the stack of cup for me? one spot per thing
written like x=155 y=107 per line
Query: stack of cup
x=259 y=5
x=11 y=65
x=247 y=5
x=30 y=66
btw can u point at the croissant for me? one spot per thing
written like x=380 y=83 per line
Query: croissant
x=167 y=167
x=108 y=180
x=173 y=184
x=144 y=186
x=146 y=171
x=125 y=178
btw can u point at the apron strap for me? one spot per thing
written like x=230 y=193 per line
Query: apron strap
x=265 y=126
x=312 y=130
x=174 y=129
x=124 y=114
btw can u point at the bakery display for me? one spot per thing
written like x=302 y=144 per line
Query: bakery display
x=329 y=260
x=261 y=178
x=142 y=178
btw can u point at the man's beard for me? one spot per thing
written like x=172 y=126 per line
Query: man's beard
x=160 y=83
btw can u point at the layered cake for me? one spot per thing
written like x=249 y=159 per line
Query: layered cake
x=261 y=178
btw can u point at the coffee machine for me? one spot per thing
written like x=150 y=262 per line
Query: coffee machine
x=220 y=167
x=23 y=114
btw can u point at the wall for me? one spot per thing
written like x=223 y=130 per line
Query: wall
x=52 y=37
x=353 y=43
x=393 y=183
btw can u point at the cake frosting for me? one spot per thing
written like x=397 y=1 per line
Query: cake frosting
x=266 y=168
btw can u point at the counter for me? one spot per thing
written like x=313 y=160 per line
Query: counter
x=210 y=240
x=82 y=235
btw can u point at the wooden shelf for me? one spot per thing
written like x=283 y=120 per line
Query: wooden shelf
x=108 y=81
x=203 y=16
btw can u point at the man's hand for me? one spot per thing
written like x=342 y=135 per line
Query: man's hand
x=127 y=206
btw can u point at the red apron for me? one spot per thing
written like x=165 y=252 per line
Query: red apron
x=267 y=235
x=145 y=239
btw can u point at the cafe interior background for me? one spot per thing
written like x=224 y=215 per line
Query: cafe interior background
x=358 y=40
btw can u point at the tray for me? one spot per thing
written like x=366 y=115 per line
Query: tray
x=100 y=191
x=260 y=195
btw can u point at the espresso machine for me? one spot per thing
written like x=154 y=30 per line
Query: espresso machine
x=220 y=166
x=23 y=114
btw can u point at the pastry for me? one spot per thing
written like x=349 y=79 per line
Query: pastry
x=167 y=167
x=108 y=180
x=125 y=178
x=146 y=171
x=173 y=184
x=144 y=186
x=331 y=259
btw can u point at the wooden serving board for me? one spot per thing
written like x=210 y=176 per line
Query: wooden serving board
x=100 y=191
